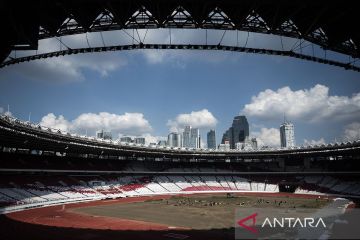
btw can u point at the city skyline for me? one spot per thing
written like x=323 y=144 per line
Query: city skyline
x=178 y=139
x=143 y=139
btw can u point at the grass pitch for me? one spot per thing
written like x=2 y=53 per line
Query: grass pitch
x=206 y=211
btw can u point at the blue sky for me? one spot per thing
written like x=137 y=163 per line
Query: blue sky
x=163 y=85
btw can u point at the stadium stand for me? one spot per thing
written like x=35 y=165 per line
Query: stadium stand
x=27 y=190
x=41 y=166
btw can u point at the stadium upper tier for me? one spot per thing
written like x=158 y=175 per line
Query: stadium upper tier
x=28 y=137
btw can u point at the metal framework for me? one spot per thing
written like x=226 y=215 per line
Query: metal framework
x=332 y=25
x=69 y=51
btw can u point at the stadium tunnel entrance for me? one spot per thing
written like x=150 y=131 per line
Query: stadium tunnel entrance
x=288 y=187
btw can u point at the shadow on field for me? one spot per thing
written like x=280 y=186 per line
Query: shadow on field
x=11 y=229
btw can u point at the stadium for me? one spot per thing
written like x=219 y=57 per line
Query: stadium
x=81 y=183
x=57 y=184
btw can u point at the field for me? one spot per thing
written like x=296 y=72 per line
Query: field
x=198 y=211
x=198 y=216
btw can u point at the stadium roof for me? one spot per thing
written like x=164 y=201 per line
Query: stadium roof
x=331 y=24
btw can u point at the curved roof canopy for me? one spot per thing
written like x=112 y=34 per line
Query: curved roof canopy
x=333 y=25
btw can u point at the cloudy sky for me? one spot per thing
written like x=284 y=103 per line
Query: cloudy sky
x=151 y=92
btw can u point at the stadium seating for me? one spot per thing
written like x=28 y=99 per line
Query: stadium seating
x=36 y=190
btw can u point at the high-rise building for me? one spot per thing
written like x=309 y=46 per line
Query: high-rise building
x=211 y=139
x=174 y=139
x=103 y=135
x=247 y=145
x=224 y=146
x=186 y=137
x=195 y=138
x=226 y=136
x=254 y=143
x=139 y=140
x=162 y=143
x=238 y=131
x=100 y=134
x=191 y=137
x=287 y=135
x=126 y=139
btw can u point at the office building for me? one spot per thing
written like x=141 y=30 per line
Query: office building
x=254 y=143
x=211 y=139
x=238 y=131
x=126 y=139
x=174 y=140
x=224 y=146
x=104 y=135
x=195 y=138
x=139 y=140
x=162 y=143
x=186 y=136
x=247 y=145
x=287 y=135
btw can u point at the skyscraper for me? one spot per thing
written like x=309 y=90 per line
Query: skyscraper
x=254 y=143
x=211 y=139
x=162 y=143
x=287 y=135
x=224 y=146
x=186 y=137
x=139 y=140
x=226 y=136
x=104 y=135
x=195 y=138
x=174 y=139
x=126 y=139
x=238 y=131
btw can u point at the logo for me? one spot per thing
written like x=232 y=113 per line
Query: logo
x=280 y=223
x=296 y=223
x=247 y=227
x=291 y=222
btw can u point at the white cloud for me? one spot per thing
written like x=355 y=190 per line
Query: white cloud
x=152 y=139
x=352 y=132
x=67 y=68
x=314 y=142
x=196 y=119
x=155 y=56
x=148 y=138
x=181 y=58
x=55 y=122
x=314 y=104
x=268 y=137
x=128 y=123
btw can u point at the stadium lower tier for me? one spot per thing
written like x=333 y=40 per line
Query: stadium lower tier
x=29 y=191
